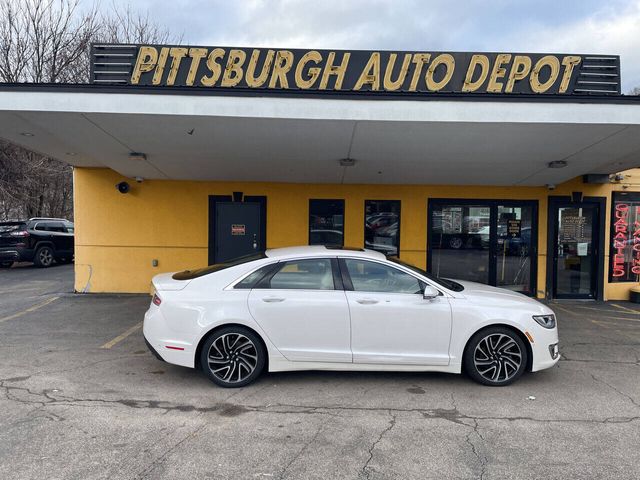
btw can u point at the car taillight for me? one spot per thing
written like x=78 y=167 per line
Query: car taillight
x=156 y=299
x=21 y=233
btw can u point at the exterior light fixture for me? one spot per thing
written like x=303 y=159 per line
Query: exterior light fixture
x=137 y=156
x=71 y=154
x=347 y=162
x=27 y=134
x=557 y=164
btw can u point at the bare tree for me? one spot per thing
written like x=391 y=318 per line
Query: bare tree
x=634 y=91
x=48 y=41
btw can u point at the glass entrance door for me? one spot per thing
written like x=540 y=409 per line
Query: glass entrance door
x=488 y=241
x=575 y=268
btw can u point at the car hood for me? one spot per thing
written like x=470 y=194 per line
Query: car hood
x=486 y=294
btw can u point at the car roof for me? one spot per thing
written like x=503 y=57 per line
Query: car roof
x=322 y=251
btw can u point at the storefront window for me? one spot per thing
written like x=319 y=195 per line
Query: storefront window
x=382 y=226
x=624 y=263
x=459 y=241
x=485 y=241
x=326 y=222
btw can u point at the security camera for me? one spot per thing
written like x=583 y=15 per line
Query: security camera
x=123 y=187
x=139 y=179
x=551 y=186
x=619 y=177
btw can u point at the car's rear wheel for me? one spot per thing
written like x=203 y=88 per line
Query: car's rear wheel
x=43 y=257
x=495 y=356
x=233 y=357
x=6 y=264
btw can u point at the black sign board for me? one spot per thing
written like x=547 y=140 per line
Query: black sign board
x=514 y=228
x=358 y=71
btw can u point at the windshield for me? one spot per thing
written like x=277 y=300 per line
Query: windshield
x=199 y=272
x=450 y=284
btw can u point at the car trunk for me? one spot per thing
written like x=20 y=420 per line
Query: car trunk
x=8 y=234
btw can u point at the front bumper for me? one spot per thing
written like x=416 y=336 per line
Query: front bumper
x=543 y=354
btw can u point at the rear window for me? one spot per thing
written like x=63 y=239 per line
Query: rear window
x=7 y=227
x=200 y=272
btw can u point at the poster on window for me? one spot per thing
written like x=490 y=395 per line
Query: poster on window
x=624 y=258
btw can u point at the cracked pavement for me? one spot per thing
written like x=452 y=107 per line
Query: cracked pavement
x=71 y=410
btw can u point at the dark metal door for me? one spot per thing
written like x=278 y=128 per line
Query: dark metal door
x=237 y=230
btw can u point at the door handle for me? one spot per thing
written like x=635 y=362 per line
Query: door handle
x=367 y=301
x=272 y=299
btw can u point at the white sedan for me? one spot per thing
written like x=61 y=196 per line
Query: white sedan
x=323 y=308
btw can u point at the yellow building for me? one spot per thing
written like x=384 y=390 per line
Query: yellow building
x=524 y=179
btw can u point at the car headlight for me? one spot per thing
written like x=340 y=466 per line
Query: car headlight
x=547 y=321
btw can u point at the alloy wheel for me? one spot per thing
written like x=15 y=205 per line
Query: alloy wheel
x=45 y=255
x=232 y=357
x=497 y=357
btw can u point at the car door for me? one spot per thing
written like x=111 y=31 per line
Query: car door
x=391 y=322
x=62 y=241
x=303 y=309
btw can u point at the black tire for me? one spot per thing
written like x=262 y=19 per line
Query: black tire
x=492 y=355
x=6 y=264
x=44 y=257
x=232 y=352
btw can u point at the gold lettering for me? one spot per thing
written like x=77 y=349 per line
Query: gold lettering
x=519 y=69
x=213 y=65
x=471 y=85
x=313 y=73
x=420 y=59
x=534 y=80
x=284 y=62
x=498 y=72
x=147 y=58
x=443 y=59
x=177 y=54
x=162 y=60
x=337 y=70
x=196 y=55
x=250 y=78
x=233 y=72
x=391 y=85
x=568 y=63
x=370 y=74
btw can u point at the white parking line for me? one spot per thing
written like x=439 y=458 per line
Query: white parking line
x=122 y=336
x=29 y=310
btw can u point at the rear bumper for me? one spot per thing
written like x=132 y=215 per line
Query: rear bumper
x=16 y=254
x=153 y=350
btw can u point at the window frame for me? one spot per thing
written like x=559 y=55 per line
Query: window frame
x=364 y=233
x=265 y=281
x=348 y=283
x=335 y=200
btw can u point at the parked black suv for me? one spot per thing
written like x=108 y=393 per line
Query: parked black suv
x=37 y=240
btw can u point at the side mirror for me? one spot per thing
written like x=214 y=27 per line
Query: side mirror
x=429 y=293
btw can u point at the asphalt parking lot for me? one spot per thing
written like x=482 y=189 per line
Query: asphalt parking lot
x=82 y=398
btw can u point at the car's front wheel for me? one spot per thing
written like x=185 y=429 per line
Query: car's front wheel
x=233 y=357
x=495 y=356
x=43 y=257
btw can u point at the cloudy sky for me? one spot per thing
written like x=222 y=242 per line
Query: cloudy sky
x=558 y=26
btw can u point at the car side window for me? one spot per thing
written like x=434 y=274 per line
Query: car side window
x=251 y=280
x=56 y=227
x=378 y=278
x=308 y=274
x=41 y=227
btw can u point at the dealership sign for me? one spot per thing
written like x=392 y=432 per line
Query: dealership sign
x=361 y=72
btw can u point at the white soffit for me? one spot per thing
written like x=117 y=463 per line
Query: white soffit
x=302 y=139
